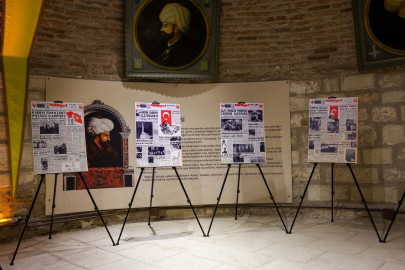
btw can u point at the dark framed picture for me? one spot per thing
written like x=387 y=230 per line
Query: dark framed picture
x=380 y=33
x=172 y=39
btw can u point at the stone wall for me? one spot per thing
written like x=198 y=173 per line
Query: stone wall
x=311 y=43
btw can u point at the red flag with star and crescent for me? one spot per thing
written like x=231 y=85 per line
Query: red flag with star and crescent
x=166 y=116
x=77 y=117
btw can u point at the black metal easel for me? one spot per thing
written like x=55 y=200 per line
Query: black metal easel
x=53 y=207
x=393 y=219
x=151 y=196
x=332 y=193
x=237 y=196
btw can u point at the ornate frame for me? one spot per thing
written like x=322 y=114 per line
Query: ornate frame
x=139 y=65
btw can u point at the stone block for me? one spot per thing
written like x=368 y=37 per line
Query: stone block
x=377 y=156
x=304 y=87
x=4 y=166
x=294 y=137
x=299 y=120
x=323 y=193
x=394 y=174
x=301 y=174
x=401 y=154
x=2 y=100
x=393 y=97
x=369 y=97
x=393 y=134
x=367 y=135
x=343 y=175
x=331 y=85
x=403 y=113
x=27 y=158
x=363 y=114
x=358 y=82
x=299 y=104
x=390 y=80
x=34 y=96
x=295 y=157
x=36 y=83
x=3 y=128
x=384 y=114
x=375 y=194
x=4 y=180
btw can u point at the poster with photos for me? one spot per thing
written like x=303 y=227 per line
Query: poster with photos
x=158 y=135
x=333 y=130
x=242 y=133
x=58 y=137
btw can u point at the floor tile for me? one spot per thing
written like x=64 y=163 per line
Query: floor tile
x=43 y=262
x=343 y=247
x=92 y=258
x=293 y=253
x=283 y=264
x=341 y=261
x=148 y=253
x=128 y=264
x=384 y=254
x=186 y=261
x=240 y=258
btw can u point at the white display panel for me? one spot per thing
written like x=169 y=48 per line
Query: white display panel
x=58 y=137
x=242 y=133
x=158 y=135
x=333 y=130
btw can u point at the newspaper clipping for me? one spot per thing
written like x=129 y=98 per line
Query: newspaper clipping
x=333 y=130
x=158 y=135
x=242 y=133
x=58 y=137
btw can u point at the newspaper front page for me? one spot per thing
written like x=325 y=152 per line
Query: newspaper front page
x=242 y=133
x=58 y=137
x=333 y=130
x=158 y=135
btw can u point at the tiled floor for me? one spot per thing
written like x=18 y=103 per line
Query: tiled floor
x=251 y=242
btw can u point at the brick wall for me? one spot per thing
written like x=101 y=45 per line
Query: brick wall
x=311 y=43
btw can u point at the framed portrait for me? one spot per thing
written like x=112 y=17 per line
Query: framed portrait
x=172 y=39
x=380 y=33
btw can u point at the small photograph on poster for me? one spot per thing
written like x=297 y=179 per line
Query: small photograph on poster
x=138 y=155
x=333 y=127
x=48 y=127
x=60 y=149
x=350 y=125
x=334 y=113
x=350 y=155
x=238 y=157
x=257 y=159
x=314 y=123
x=262 y=147
x=150 y=160
x=70 y=166
x=144 y=130
x=139 y=149
x=39 y=143
x=243 y=148
x=231 y=125
x=44 y=163
x=255 y=115
x=252 y=132
x=224 y=147
x=156 y=151
x=351 y=136
x=329 y=148
x=311 y=145
x=353 y=145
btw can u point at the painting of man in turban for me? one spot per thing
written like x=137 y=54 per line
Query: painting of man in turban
x=99 y=152
x=171 y=34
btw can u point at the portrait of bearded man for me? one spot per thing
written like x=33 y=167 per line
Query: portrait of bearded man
x=99 y=152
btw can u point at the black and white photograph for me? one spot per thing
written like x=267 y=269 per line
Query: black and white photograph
x=39 y=144
x=138 y=155
x=252 y=132
x=243 y=148
x=71 y=166
x=150 y=160
x=224 y=147
x=175 y=139
x=350 y=155
x=144 y=130
x=262 y=147
x=353 y=145
x=60 y=149
x=255 y=115
x=351 y=125
x=351 y=136
x=231 y=125
x=333 y=127
x=44 y=163
x=238 y=157
x=139 y=149
x=156 y=151
x=176 y=145
x=48 y=127
x=329 y=148
x=311 y=145
x=257 y=159
x=168 y=129
x=315 y=123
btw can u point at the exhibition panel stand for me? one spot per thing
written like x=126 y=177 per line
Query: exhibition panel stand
x=395 y=215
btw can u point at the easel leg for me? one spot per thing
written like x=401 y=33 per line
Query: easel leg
x=188 y=200
x=395 y=215
x=28 y=218
x=130 y=205
x=151 y=193
x=332 y=192
x=302 y=197
x=237 y=195
x=218 y=199
x=364 y=201
x=53 y=205
x=96 y=208
x=271 y=197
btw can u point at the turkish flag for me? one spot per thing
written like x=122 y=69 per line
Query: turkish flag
x=166 y=116
x=334 y=112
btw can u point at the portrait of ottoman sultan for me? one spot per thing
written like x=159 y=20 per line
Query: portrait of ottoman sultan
x=171 y=34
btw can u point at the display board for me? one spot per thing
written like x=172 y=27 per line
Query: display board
x=202 y=171
x=333 y=130
x=242 y=133
x=158 y=135
x=58 y=137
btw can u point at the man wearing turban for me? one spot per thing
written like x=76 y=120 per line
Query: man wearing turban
x=99 y=151
x=177 y=49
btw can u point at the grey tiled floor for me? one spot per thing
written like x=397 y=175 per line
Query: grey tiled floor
x=251 y=242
